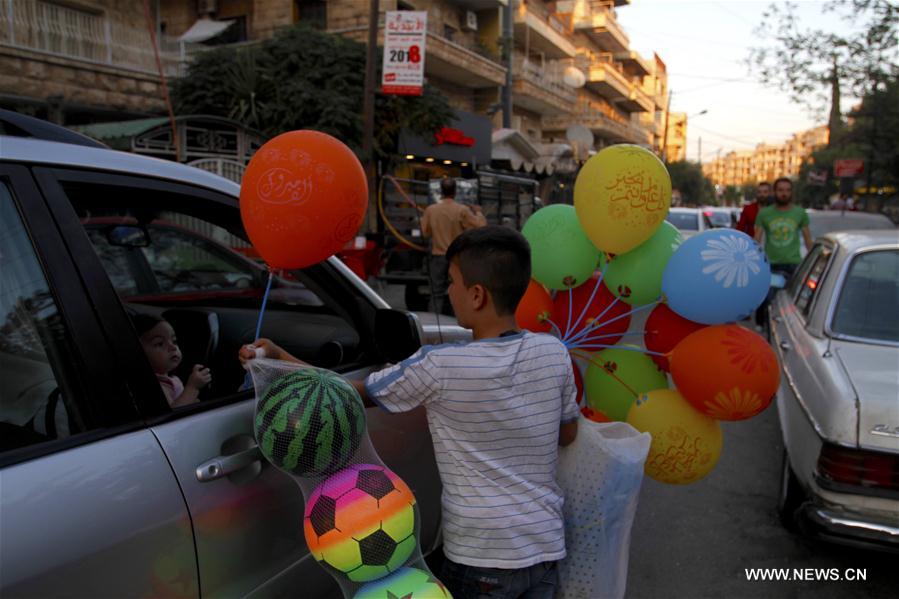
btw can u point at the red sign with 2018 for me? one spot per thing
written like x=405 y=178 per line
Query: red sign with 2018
x=850 y=167
x=405 y=34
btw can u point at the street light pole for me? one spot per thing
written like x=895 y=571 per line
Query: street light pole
x=368 y=113
x=507 y=55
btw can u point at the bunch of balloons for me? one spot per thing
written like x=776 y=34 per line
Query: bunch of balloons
x=638 y=305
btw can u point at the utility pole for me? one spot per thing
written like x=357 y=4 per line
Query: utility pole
x=368 y=113
x=699 y=149
x=507 y=56
x=665 y=136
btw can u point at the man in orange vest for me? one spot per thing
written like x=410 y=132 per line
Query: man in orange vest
x=443 y=222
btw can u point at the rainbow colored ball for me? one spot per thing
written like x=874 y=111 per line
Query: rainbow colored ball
x=310 y=422
x=361 y=522
x=408 y=583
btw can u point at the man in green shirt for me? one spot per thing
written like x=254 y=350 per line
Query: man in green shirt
x=780 y=224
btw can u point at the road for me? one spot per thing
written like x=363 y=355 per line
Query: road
x=697 y=540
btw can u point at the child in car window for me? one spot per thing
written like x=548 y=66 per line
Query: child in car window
x=158 y=340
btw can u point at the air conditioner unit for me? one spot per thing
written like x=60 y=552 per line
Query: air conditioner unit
x=471 y=20
x=207 y=7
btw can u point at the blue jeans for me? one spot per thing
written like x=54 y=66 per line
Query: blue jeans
x=471 y=582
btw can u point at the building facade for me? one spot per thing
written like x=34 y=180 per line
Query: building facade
x=766 y=162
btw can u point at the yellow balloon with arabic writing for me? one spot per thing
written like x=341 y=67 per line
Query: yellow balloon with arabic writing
x=686 y=444
x=621 y=196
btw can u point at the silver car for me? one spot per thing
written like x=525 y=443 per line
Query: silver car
x=689 y=221
x=836 y=330
x=108 y=492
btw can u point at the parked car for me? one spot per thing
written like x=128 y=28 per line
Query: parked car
x=721 y=217
x=821 y=222
x=836 y=331
x=107 y=491
x=689 y=221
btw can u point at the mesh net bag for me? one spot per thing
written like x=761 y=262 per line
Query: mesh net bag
x=360 y=520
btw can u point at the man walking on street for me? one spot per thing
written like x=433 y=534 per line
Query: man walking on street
x=443 y=222
x=780 y=225
x=751 y=211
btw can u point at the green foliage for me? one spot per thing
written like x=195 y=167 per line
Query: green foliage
x=302 y=79
x=694 y=187
x=802 y=61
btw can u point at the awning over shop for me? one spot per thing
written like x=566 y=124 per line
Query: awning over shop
x=524 y=155
x=204 y=29
x=466 y=139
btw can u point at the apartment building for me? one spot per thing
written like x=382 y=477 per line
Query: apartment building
x=83 y=61
x=766 y=162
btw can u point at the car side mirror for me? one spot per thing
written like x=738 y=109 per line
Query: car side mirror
x=397 y=334
x=130 y=236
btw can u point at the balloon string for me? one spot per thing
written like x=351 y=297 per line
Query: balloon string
x=268 y=287
x=602 y=272
x=570 y=308
x=555 y=327
x=587 y=357
x=597 y=324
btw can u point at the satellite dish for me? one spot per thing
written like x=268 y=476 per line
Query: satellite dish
x=581 y=140
x=574 y=77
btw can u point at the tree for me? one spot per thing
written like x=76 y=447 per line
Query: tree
x=812 y=64
x=694 y=187
x=303 y=79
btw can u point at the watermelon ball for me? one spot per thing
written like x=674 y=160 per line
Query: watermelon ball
x=360 y=522
x=310 y=422
x=410 y=583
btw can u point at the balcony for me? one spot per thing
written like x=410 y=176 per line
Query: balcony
x=633 y=63
x=599 y=23
x=544 y=32
x=604 y=77
x=637 y=101
x=87 y=37
x=460 y=60
x=541 y=89
x=601 y=124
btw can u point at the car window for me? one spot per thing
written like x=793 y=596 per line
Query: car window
x=869 y=296
x=185 y=260
x=719 y=218
x=35 y=401
x=812 y=281
x=686 y=221
x=802 y=272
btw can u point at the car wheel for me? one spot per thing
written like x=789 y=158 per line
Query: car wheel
x=791 y=495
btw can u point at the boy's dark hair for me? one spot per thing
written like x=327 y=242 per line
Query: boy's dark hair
x=448 y=188
x=499 y=258
x=763 y=183
x=144 y=322
x=783 y=180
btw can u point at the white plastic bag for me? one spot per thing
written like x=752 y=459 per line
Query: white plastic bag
x=600 y=473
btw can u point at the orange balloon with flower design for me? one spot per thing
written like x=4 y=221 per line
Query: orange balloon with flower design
x=535 y=309
x=726 y=371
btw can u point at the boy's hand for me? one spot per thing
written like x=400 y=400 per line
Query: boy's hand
x=200 y=376
x=264 y=347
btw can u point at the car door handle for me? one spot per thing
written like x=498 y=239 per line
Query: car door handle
x=785 y=345
x=224 y=465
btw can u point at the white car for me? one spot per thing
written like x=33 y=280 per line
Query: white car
x=836 y=330
x=689 y=221
x=722 y=217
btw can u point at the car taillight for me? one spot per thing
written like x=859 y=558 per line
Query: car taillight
x=859 y=467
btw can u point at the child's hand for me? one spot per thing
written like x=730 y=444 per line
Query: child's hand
x=199 y=377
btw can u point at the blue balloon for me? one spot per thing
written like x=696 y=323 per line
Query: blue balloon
x=718 y=276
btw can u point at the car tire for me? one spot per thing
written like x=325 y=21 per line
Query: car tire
x=790 y=497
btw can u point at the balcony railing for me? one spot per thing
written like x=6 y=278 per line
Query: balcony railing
x=550 y=19
x=548 y=76
x=87 y=36
x=599 y=20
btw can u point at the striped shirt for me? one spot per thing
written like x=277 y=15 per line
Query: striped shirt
x=494 y=408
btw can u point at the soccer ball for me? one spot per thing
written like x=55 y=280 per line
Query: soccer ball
x=361 y=522
x=408 y=583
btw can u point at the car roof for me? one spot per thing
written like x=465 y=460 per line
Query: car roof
x=678 y=209
x=50 y=153
x=856 y=240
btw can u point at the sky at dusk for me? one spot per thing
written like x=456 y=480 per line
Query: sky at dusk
x=705 y=45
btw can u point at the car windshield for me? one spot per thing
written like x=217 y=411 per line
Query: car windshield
x=719 y=218
x=686 y=221
x=868 y=299
x=820 y=224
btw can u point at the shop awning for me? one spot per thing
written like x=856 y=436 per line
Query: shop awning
x=204 y=29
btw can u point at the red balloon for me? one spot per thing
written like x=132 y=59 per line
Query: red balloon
x=303 y=196
x=534 y=309
x=664 y=330
x=602 y=303
x=726 y=371
x=578 y=382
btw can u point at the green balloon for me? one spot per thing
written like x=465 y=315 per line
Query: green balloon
x=617 y=378
x=636 y=276
x=561 y=255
